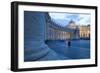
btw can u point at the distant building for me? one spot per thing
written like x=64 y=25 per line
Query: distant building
x=84 y=30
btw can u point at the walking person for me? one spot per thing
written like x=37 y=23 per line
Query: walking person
x=69 y=43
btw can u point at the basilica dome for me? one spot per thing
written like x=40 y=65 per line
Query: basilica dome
x=72 y=25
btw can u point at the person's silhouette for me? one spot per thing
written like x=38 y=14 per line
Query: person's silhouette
x=69 y=43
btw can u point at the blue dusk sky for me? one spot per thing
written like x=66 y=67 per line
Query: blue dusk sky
x=64 y=18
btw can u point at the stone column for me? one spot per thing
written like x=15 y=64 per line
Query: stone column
x=34 y=33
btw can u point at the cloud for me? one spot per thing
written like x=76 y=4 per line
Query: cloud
x=58 y=15
x=64 y=18
x=62 y=22
x=85 y=19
